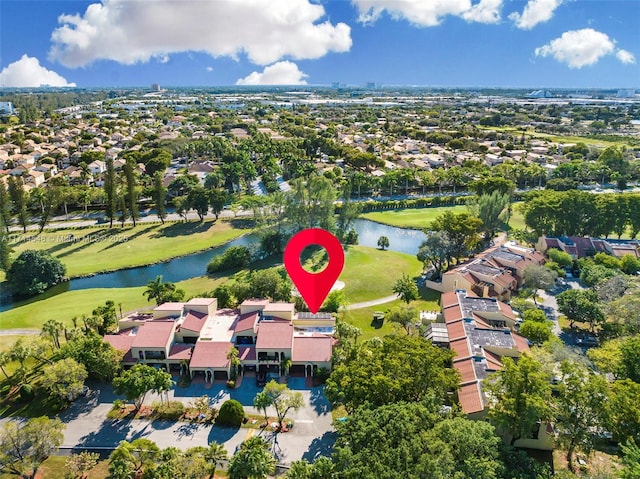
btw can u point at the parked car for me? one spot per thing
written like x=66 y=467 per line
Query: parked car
x=588 y=341
x=261 y=378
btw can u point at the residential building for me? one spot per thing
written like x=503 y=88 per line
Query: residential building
x=480 y=332
x=495 y=273
x=582 y=246
x=196 y=336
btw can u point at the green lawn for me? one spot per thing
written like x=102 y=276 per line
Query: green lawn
x=107 y=249
x=363 y=318
x=65 y=306
x=54 y=468
x=370 y=273
x=361 y=265
x=419 y=218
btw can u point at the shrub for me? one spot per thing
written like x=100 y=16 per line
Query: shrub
x=33 y=272
x=26 y=392
x=171 y=410
x=231 y=384
x=235 y=257
x=231 y=414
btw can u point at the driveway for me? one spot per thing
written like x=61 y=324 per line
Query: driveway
x=312 y=435
x=550 y=308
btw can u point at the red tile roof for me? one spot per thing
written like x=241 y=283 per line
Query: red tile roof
x=448 y=299
x=246 y=353
x=180 y=351
x=456 y=331
x=452 y=314
x=461 y=348
x=246 y=322
x=493 y=361
x=316 y=348
x=521 y=343
x=194 y=321
x=153 y=334
x=210 y=354
x=121 y=341
x=470 y=398
x=274 y=335
x=466 y=370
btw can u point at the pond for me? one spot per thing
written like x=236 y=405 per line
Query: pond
x=194 y=265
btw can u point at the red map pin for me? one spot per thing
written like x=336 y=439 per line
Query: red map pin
x=314 y=287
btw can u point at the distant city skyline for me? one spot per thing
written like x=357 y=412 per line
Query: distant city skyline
x=568 y=44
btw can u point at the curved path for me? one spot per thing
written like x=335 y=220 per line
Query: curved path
x=373 y=302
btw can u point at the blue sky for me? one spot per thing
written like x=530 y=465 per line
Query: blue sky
x=460 y=43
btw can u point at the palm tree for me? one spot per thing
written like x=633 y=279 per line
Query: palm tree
x=155 y=289
x=234 y=361
x=253 y=460
x=52 y=329
x=215 y=455
x=261 y=402
x=5 y=358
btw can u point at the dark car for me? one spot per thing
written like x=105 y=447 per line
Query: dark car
x=261 y=378
x=588 y=341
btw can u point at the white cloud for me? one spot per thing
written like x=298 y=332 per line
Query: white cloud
x=536 y=11
x=129 y=32
x=625 y=57
x=281 y=73
x=579 y=48
x=209 y=69
x=429 y=13
x=27 y=72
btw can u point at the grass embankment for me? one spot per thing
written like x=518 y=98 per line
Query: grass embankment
x=419 y=218
x=91 y=250
x=369 y=273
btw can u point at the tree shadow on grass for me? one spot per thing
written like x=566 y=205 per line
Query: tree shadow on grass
x=184 y=229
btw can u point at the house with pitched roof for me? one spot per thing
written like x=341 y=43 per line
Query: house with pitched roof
x=198 y=337
x=583 y=246
x=494 y=273
x=480 y=332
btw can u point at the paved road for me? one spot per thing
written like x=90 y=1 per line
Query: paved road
x=313 y=435
x=550 y=306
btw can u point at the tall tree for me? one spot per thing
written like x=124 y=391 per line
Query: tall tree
x=132 y=188
x=436 y=250
x=20 y=200
x=310 y=203
x=462 y=230
x=580 y=305
x=110 y=191
x=23 y=447
x=5 y=208
x=159 y=195
x=133 y=459
x=374 y=374
x=522 y=397
x=283 y=399
x=33 y=272
x=52 y=329
x=252 y=461
x=136 y=382
x=64 y=379
x=581 y=398
x=199 y=201
x=217 y=200
x=490 y=209
x=406 y=289
x=535 y=277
